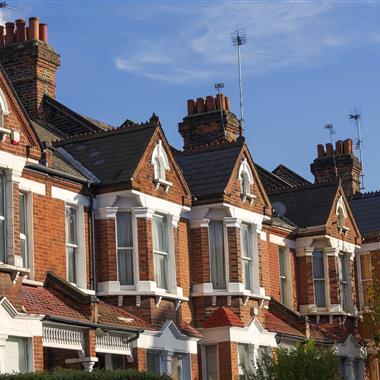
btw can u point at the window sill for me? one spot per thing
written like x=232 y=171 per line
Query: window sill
x=14 y=271
x=161 y=182
x=206 y=290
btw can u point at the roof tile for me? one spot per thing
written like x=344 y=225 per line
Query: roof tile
x=223 y=317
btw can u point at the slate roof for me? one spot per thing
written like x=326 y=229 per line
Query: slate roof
x=207 y=172
x=309 y=205
x=223 y=317
x=366 y=209
x=112 y=156
x=270 y=181
x=290 y=176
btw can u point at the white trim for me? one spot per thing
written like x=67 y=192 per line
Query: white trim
x=284 y=242
x=304 y=243
x=3 y=103
x=32 y=186
x=69 y=196
x=350 y=349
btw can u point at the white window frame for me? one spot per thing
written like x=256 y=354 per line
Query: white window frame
x=225 y=253
x=249 y=259
x=134 y=242
x=24 y=236
x=287 y=297
x=28 y=351
x=325 y=279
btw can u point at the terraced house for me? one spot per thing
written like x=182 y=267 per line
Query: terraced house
x=119 y=251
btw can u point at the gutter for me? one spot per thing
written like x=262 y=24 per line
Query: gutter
x=74 y=322
x=50 y=171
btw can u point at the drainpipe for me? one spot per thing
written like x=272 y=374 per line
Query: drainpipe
x=92 y=227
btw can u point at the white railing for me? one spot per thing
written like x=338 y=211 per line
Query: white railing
x=62 y=337
x=113 y=344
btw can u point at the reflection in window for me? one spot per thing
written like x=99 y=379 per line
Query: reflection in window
x=23 y=230
x=344 y=280
x=160 y=251
x=211 y=354
x=246 y=254
x=218 y=265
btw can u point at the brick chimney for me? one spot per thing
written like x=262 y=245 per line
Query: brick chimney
x=348 y=166
x=208 y=121
x=29 y=62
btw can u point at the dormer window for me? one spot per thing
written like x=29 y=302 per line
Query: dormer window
x=3 y=111
x=341 y=214
x=160 y=163
x=246 y=180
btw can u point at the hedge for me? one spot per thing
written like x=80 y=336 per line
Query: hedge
x=72 y=374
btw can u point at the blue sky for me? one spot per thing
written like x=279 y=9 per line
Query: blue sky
x=306 y=63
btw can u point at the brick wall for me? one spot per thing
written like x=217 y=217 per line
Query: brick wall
x=228 y=360
x=38 y=354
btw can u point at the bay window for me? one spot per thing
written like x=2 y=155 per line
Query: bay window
x=246 y=254
x=160 y=251
x=71 y=244
x=124 y=248
x=2 y=220
x=245 y=359
x=16 y=354
x=217 y=255
x=23 y=230
x=319 y=279
x=344 y=281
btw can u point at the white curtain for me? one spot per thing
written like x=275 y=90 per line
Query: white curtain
x=218 y=266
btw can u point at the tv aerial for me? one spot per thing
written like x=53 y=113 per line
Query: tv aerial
x=332 y=132
x=4 y=4
x=356 y=116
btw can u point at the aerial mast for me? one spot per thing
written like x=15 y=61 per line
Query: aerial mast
x=359 y=144
x=332 y=132
x=239 y=38
x=218 y=87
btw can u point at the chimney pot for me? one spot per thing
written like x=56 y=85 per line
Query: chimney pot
x=320 y=150
x=347 y=146
x=10 y=33
x=34 y=28
x=220 y=101
x=227 y=103
x=201 y=105
x=190 y=107
x=20 y=30
x=329 y=149
x=339 y=147
x=210 y=103
x=44 y=33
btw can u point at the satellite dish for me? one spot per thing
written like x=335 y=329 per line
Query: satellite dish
x=279 y=208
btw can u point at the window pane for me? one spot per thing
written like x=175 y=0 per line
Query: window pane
x=159 y=234
x=282 y=259
x=216 y=241
x=365 y=263
x=160 y=270
x=24 y=253
x=22 y=205
x=71 y=228
x=153 y=362
x=247 y=274
x=124 y=229
x=71 y=264
x=245 y=240
x=2 y=241
x=117 y=361
x=211 y=362
x=125 y=266
x=318 y=267
x=319 y=289
x=16 y=355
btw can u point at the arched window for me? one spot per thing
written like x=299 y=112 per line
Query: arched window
x=341 y=214
x=3 y=108
x=341 y=217
x=246 y=180
x=160 y=163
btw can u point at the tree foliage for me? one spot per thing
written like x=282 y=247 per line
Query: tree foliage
x=371 y=317
x=306 y=361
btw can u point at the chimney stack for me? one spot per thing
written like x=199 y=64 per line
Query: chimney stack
x=29 y=62
x=208 y=121
x=348 y=166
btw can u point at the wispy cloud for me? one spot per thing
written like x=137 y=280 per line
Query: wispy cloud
x=281 y=35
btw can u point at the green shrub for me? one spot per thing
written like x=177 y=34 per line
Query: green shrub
x=305 y=361
x=72 y=374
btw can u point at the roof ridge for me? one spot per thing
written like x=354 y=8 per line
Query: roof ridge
x=292 y=172
x=368 y=194
x=305 y=186
x=90 y=118
x=213 y=146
